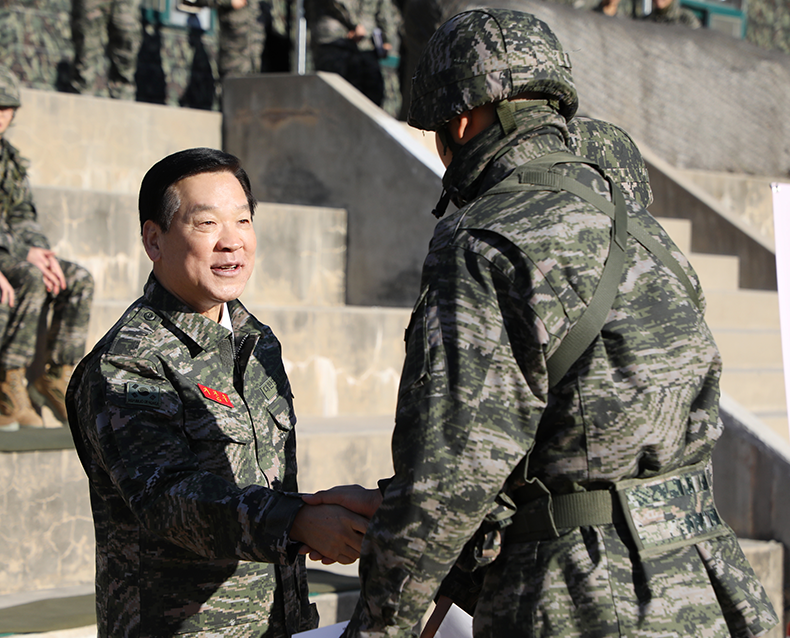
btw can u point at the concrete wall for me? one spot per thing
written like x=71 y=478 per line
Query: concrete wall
x=316 y=140
x=747 y=196
x=101 y=144
x=699 y=99
x=717 y=229
x=751 y=470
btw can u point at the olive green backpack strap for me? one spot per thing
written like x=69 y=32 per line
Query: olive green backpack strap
x=538 y=175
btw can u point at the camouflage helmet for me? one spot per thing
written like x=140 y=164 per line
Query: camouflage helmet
x=485 y=56
x=9 y=89
x=616 y=154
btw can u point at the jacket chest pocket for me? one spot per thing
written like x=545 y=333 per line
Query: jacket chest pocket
x=220 y=433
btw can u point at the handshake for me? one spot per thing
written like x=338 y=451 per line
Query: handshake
x=332 y=523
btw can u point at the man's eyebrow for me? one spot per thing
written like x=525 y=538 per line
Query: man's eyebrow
x=199 y=208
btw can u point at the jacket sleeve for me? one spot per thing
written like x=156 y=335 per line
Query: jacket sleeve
x=472 y=392
x=23 y=222
x=131 y=417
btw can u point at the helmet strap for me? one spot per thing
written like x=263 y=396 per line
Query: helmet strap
x=506 y=111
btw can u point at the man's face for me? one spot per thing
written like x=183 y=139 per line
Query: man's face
x=207 y=255
x=6 y=115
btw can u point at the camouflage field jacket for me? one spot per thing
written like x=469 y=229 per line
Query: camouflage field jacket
x=19 y=227
x=187 y=435
x=505 y=278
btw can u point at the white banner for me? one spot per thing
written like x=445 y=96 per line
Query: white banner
x=781 y=195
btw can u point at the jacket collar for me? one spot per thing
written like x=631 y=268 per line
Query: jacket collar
x=204 y=332
x=491 y=156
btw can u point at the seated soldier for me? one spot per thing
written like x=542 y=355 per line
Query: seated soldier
x=39 y=278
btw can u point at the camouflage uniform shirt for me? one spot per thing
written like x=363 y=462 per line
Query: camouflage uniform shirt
x=505 y=278
x=19 y=227
x=186 y=432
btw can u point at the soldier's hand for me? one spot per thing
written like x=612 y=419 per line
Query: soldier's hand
x=47 y=262
x=238 y=4
x=331 y=532
x=357 y=33
x=6 y=291
x=353 y=497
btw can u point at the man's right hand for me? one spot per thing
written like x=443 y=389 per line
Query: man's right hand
x=331 y=533
x=356 y=498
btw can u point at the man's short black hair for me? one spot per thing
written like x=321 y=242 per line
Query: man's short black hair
x=159 y=201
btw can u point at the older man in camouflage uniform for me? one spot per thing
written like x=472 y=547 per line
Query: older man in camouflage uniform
x=559 y=398
x=39 y=278
x=183 y=419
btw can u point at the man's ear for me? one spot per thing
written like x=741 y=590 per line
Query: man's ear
x=152 y=236
x=466 y=125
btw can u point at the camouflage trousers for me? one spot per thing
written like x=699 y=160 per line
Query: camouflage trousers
x=242 y=36
x=589 y=584
x=106 y=36
x=360 y=68
x=67 y=330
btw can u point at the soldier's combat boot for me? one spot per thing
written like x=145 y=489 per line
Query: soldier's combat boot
x=50 y=389
x=14 y=400
x=8 y=422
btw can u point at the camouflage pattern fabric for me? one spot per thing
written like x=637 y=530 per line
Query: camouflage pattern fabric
x=107 y=36
x=68 y=327
x=477 y=58
x=674 y=14
x=330 y=21
x=186 y=432
x=242 y=34
x=9 y=89
x=360 y=68
x=616 y=154
x=19 y=231
x=420 y=20
x=474 y=401
x=241 y=41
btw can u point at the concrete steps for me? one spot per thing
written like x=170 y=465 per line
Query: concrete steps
x=745 y=324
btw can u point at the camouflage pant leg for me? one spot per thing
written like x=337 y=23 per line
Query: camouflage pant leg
x=589 y=584
x=241 y=40
x=124 y=36
x=71 y=310
x=360 y=68
x=102 y=29
x=19 y=340
x=88 y=33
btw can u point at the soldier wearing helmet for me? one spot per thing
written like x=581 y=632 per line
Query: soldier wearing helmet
x=559 y=398
x=33 y=277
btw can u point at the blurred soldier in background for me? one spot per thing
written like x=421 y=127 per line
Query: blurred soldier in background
x=670 y=12
x=244 y=27
x=420 y=20
x=106 y=36
x=350 y=37
x=39 y=278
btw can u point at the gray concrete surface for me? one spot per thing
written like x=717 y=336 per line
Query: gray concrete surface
x=717 y=229
x=316 y=140
x=751 y=472
x=699 y=99
x=100 y=144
